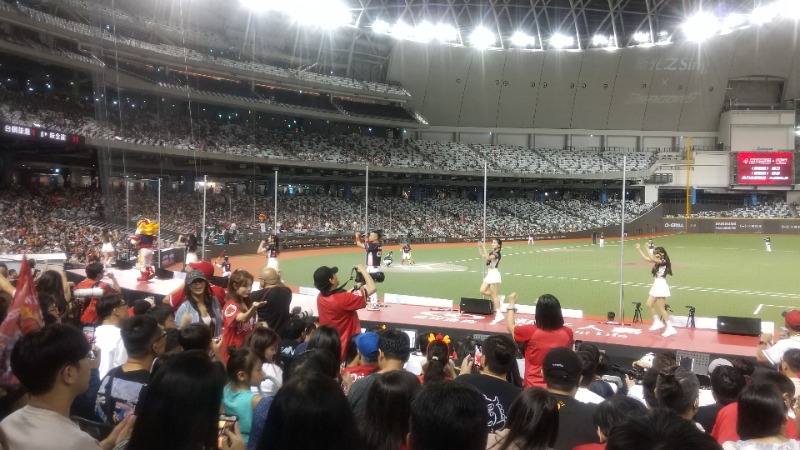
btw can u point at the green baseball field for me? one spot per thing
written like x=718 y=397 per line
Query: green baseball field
x=717 y=274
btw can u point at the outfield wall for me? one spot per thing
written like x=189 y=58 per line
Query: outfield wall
x=732 y=225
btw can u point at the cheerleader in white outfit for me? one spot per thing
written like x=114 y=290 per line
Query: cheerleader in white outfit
x=491 y=282
x=107 y=249
x=660 y=290
x=190 y=250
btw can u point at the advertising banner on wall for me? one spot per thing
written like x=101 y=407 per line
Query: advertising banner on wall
x=730 y=225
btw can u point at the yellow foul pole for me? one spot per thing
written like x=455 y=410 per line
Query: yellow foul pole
x=688 y=183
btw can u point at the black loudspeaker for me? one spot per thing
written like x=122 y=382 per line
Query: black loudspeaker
x=739 y=325
x=476 y=306
x=164 y=274
x=123 y=265
x=220 y=281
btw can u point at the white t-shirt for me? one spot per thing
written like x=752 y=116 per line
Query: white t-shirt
x=273 y=377
x=112 y=351
x=32 y=427
x=775 y=353
x=586 y=396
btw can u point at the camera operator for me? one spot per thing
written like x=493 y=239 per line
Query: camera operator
x=338 y=307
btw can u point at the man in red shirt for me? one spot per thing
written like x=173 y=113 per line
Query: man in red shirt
x=178 y=296
x=338 y=307
x=94 y=273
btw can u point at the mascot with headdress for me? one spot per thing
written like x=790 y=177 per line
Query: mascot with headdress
x=145 y=238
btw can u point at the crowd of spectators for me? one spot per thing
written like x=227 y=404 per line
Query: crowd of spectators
x=366 y=389
x=770 y=210
x=147 y=25
x=132 y=121
x=45 y=219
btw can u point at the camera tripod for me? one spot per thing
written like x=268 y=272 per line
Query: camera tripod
x=637 y=314
x=690 y=319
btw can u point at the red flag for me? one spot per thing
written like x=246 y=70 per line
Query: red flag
x=24 y=316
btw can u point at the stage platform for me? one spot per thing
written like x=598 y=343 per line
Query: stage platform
x=131 y=288
x=623 y=343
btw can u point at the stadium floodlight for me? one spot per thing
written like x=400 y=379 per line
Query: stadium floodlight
x=402 y=30
x=442 y=32
x=600 y=40
x=664 y=38
x=789 y=9
x=446 y=33
x=381 y=27
x=424 y=32
x=764 y=14
x=482 y=38
x=732 y=22
x=521 y=39
x=700 y=26
x=641 y=37
x=559 y=40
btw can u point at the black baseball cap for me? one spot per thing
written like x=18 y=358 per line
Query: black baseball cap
x=561 y=363
x=322 y=277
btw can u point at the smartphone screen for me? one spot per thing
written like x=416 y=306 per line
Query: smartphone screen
x=226 y=422
x=88 y=332
x=478 y=354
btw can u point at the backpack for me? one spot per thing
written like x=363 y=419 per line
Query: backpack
x=89 y=315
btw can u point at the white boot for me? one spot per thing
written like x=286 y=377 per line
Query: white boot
x=670 y=331
x=498 y=317
x=657 y=324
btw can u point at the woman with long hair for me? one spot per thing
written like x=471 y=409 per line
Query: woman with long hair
x=549 y=332
x=532 y=423
x=55 y=284
x=386 y=428
x=658 y=294
x=179 y=409
x=491 y=282
x=200 y=305
x=190 y=249
x=239 y=312
x=310 y=398
x=326 y=338
x=266 y=343
x=107 y=248
x=761 y=419
x=270 y=247
x=439 y=367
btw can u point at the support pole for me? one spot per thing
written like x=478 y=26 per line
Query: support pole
x=622 y=239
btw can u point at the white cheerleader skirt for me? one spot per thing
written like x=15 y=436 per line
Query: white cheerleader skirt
x=107 y=248
x=492 y=277
x=272 y=263
x=191 y=258
x=660 y=288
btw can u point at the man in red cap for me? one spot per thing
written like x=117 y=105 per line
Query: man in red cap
x=178 y=296
x=773 y=353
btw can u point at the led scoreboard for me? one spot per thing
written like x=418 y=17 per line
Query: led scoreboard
x=765 y=168
x=41 y=134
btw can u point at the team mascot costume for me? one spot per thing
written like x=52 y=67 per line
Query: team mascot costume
x=145 y=239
